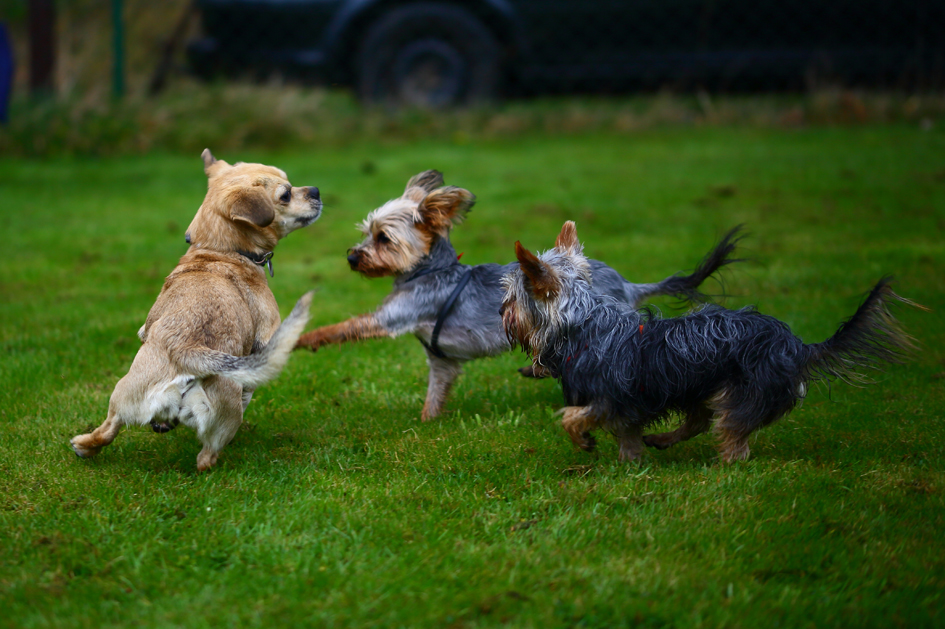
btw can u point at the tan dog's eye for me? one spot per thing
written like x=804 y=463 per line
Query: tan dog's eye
x=286 y=196
x=382 y=238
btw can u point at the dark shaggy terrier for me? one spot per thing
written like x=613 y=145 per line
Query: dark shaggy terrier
x=625 y=370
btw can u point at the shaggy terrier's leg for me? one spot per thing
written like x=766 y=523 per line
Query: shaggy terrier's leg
x=225 y=399
x=695 y=423
x=354 y=329
x=631 y=442
x=733 y=441
x=90 y=444
x=578 y=421
x=443 y=372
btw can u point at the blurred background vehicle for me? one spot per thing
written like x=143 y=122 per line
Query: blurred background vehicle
x=440 y=53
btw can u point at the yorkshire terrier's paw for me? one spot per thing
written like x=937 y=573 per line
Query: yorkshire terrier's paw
x=655 y=441
x=309 y=342
x=534 y=371
x=587 y=442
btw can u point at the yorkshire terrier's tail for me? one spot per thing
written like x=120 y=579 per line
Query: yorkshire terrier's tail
x=262 y=365
x=870 y=337
x=686 y=287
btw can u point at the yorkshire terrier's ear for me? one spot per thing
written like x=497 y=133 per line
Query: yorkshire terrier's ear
x=543 y=280
x=567 y=240
x=212 y=165
x=251 y=205
x=429 y=180
x=444 y=207
x=421 y=185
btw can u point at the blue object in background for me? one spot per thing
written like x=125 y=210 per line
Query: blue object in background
x=6 y=71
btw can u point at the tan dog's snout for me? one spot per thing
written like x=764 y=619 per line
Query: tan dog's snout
x=303 y=206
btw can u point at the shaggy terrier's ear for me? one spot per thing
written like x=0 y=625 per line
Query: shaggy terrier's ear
x=543 y=280
x=251 y=205
x=421 y=185
x=211 y=165
x=445 y=207
x=567 y=240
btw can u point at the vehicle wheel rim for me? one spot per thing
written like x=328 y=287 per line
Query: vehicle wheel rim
x=428 y=73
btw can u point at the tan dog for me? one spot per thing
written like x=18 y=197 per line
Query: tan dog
x=213 y=335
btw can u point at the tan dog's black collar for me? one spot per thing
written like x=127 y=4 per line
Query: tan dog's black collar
x=260 y=259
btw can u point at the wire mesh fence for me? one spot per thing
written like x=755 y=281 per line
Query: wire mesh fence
x=444 y=52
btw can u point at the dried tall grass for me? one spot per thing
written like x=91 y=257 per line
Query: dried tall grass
x=85 y=119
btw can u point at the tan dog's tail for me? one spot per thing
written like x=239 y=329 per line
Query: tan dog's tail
x=263 y=364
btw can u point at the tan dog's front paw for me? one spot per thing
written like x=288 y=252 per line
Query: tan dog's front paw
x=206 y=459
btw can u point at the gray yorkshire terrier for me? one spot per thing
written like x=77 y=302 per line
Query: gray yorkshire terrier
x=453 y=308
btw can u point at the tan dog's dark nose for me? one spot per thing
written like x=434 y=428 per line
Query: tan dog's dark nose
x=313 y=193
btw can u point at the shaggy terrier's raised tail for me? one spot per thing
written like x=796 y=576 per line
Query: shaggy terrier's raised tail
x=870 y=337
x=263 y=364
x=686 y=287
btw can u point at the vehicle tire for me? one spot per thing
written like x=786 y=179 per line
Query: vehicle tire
x=428 y=55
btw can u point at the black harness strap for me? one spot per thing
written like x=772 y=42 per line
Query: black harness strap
x=433 y=347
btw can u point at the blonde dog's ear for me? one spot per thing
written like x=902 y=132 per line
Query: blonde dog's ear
x=445 y=207
x=251 y=205
x=422 y=184
x=543 y=280
x=211 y=165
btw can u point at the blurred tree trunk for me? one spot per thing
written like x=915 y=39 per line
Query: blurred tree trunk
x=171 y=45
x=42 y=32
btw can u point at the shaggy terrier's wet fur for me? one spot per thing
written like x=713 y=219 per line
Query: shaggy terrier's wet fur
x=624 y=370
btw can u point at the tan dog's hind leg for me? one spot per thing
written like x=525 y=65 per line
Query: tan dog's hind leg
x=88 y=445
x=443 y=373
x=225 y=401
x=122 y=407
x=578 y=422
x=247 y=398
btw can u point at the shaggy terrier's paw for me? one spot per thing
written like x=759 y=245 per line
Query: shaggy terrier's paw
x=587 y=442
x=655 y=441
x=309 y=342
x=533 y=371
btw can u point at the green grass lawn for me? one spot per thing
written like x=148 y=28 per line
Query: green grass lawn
x=335 y=506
